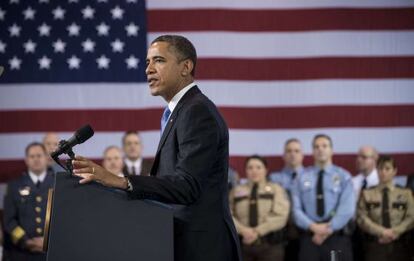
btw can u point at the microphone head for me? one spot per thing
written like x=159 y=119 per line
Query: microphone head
x=84 y=133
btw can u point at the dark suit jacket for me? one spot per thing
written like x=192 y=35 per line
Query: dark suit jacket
x=190 y=173
x=145 y=168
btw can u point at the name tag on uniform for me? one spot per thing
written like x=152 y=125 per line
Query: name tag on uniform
x=25 y=191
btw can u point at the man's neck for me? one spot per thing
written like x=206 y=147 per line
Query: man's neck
x=37 y=173
x=293 y=167
x=181 y=86
x=133 y=160
x=324 y=164
x=366 y=173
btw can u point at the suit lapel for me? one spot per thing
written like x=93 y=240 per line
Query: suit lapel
x=171 y=121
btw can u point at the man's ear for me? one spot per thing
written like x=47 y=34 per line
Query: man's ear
x=188 y=67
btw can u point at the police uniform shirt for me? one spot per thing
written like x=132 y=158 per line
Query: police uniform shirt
x=371 y=180
x=286 y=177
x=338 y=196
x=272 y=204
x=400 y=209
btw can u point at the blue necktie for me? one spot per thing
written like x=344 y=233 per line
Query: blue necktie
x=164 y=118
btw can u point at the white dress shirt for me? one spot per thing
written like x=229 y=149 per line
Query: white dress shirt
x=35 y=178
x=174 y=101
x=358 y=180
x=137 y=165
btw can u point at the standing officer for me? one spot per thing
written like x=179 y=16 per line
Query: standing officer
x=260 y=212
x=385 y=214
x=293 y=167
x=25 y=208
x=324 y=202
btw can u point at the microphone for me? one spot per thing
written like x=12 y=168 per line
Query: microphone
x=80 y=136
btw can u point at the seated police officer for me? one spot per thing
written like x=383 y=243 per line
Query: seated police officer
x=260 y=211
x=25 y=207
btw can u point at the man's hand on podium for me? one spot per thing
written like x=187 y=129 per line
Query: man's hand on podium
x=90 y=171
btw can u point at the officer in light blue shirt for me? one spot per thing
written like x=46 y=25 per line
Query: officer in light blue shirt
x=323 y=204
x=293 y=158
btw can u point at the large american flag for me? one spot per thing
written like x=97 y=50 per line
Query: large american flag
x=276 y=69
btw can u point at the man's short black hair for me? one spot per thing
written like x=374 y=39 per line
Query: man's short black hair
x=289 y=141
x=127 y=133
x=322 y=136
x=182 y=46
x=35 y=144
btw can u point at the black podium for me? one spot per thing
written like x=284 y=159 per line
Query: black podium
x=92 y=222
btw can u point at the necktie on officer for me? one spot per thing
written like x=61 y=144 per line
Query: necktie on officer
x=294 y=174
x=364 y=183
x=253 y=206
x=38 y=184
x=164 y=118
x=320 y=201
x=133 y=172
x=385 y=214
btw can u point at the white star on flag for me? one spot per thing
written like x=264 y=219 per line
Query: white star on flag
x=29 y=46
x=88 y=12
x=44 y=62
x=103 y=62
x=74 y=62
x=15 y=63
x=44 y=30
x=102 y=29
x=132 y=62
x=59 y=46
x=73 y=29
x=132 y=29
x=29 y=13
x=88 y=45
x=117 y=13
x=117 y=46
x=58 y=13
x=2 y=47
x=14 y=30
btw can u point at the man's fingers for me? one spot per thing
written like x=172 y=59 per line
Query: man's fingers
x=86 y=177
x=87 y=170
x=80 y=163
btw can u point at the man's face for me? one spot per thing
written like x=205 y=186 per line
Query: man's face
x=386 y=172
x=113 y=161
x=36 y=160
x=164 y=71
x=293 y=155
x=366 y=160
x=51 y=142
x=132 y=147
x=322 y=150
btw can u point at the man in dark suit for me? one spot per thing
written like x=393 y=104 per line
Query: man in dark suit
x=25 y=208
x=134 y=164
x=191 y=164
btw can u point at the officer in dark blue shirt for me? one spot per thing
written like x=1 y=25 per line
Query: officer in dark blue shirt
x=25 y=208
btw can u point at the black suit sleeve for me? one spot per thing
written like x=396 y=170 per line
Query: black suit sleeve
x=198 y=141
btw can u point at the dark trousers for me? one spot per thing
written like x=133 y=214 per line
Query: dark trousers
x=263 y=252
x=16 y=255
x=309 y=251
x=395 y=251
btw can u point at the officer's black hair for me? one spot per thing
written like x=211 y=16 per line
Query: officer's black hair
x=383 y=159
x=256 y=157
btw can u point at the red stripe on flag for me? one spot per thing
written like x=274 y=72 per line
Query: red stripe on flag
x=280 y=20
x=236 y=118
x=11 y=169
x=305 y=68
